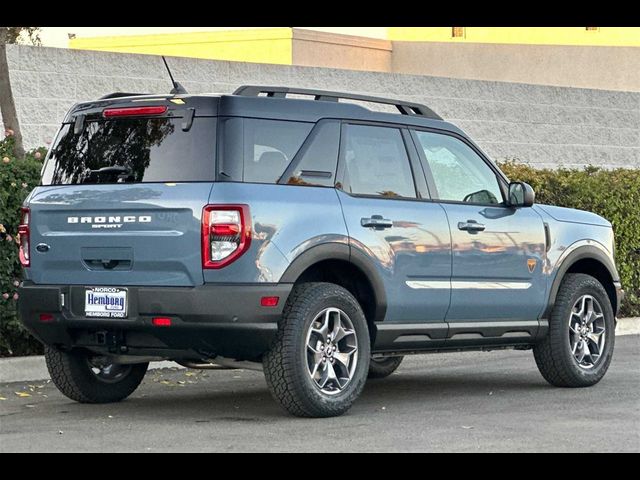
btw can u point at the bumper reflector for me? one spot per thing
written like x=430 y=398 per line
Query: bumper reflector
x=161 y=322
x=269 y=301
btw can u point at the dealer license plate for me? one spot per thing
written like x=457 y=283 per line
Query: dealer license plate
x=106 y=302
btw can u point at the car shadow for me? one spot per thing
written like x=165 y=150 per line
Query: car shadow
x=249 y=401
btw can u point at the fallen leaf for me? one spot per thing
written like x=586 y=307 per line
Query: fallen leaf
x=22 y=394
x=165 y=382
x=189 y=374
x=2 y=398
x=467 y=428
x=180 y=382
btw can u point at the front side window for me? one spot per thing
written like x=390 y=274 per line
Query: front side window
x=459 y=173
x=376 y=162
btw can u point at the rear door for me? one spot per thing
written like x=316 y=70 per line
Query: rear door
x=121 y=202
x=390 y=219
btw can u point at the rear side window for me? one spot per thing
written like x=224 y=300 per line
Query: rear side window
x=376 y=162
x=133 y=151
x=258 y=150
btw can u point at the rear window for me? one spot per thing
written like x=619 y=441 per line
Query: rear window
x=133 y=151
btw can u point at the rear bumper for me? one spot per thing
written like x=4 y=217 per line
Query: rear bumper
x=225 y=320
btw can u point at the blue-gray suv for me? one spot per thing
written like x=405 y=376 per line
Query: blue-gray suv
x=302 y=233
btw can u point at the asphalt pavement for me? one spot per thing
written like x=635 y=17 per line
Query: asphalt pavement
x=469 y=402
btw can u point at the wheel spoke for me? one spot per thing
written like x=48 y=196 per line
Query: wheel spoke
x=328 y=375
x=595 y=337
x=343 y=359
x=574 y=347
x=581 y=352
x=323 y=331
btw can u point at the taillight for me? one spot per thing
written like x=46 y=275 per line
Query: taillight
x=134 y=111
x=226 y=234
x=25 y=241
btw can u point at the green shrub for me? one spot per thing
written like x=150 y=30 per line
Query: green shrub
x=612 y=194
x=17 y=178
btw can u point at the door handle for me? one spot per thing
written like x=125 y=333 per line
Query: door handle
x=471 y=226
x=377 y=222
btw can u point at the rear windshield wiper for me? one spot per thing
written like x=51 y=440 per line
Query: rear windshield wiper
x=122 y=172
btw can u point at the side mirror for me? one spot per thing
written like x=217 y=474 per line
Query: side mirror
x=521 y=194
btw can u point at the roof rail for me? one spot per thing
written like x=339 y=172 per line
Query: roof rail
x=122 y=94
x=405 y=108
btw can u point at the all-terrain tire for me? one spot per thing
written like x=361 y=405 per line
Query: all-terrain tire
x=71 y=372
x=285 y=365
x=383 y=367
x=553 y=355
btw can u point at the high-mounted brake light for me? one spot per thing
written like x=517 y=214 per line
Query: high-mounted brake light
x=226 y=234
x=134 y=111
x=25 y=240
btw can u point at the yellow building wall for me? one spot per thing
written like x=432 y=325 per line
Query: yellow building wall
x=603 y=36
x=260 y=46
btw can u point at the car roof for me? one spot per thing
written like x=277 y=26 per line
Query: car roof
x=271 y=107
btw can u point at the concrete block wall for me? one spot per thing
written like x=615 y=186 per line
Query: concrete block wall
x=541 y=125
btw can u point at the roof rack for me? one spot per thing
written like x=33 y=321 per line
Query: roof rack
x=122 y=94
x=405 y=108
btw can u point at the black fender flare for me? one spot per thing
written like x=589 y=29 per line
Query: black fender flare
x=580 y=253
x=343 y=252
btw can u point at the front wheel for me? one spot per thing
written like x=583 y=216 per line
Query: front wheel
x=83 y=378
x=318 y=364
x=579 y=346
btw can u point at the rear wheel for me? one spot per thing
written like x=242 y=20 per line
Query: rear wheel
x=578 y=349
x=383 y=367
x=318 y=364
x=83 y=378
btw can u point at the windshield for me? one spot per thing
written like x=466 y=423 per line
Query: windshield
x=133 y=150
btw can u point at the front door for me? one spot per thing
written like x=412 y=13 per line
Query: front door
x=498 y=251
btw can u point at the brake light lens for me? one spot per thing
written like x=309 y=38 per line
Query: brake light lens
x=25 y=240
x=226 y=234
x=134 y=111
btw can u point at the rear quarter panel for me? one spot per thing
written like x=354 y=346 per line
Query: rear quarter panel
x=286 y=221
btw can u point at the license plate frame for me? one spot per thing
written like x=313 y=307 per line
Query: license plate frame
x=108 y=303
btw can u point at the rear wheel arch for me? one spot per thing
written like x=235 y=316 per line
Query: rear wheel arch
x=591 y=261
x=349 y=268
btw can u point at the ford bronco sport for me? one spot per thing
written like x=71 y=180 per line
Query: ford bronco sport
x=306 y=235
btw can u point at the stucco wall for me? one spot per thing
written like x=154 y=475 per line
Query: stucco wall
x=613 y=68
x=321 y=49
x=546 y=126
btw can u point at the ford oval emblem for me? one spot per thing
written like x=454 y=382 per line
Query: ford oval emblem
x=43 y=248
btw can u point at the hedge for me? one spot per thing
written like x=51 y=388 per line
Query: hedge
x=614 y=194
x=17 y=178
